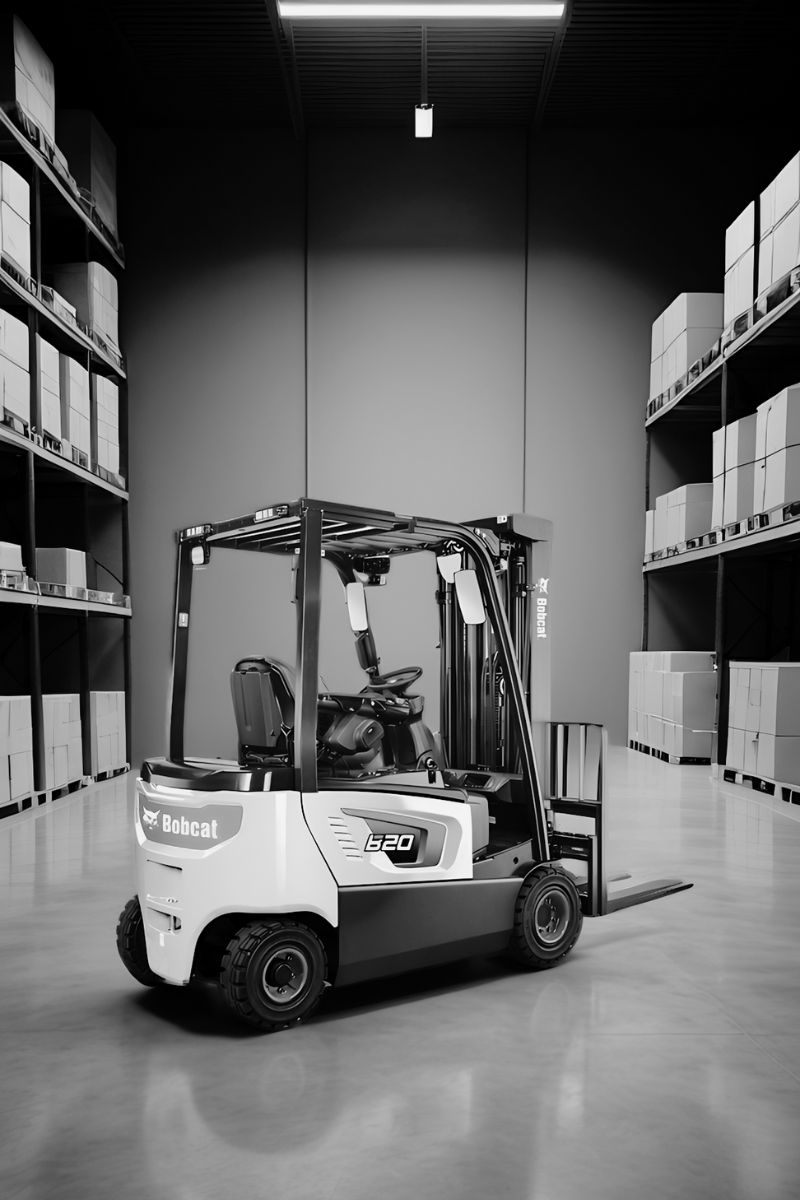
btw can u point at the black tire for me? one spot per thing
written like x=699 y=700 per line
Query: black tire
x=273 y=974
x=131 y=944
x=547 y=918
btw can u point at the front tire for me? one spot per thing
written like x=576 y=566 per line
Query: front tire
x=273 y=974
x=132 y=946
x=547 y=918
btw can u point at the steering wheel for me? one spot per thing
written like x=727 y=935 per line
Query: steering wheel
x=395 y=681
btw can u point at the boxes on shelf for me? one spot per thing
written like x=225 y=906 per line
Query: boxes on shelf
x=740 y=453
x=672 y=701
x=660 y=523
x=15 y=218
x=764 y=720
x=777 y=450
x=94 y=292
x=649 y=532
x=63 y=743
x=107 y=730
x=682 y=334
x=15 y=381
x=26 y=75
x=718 y=478
x=779 y=217
x=49 y=389
x=92 y=159
x=60 y=564
x=107 y=419
x=11 y=557
x=740 y=259
x=75 y=406
x=16 y=748
x=688 y=512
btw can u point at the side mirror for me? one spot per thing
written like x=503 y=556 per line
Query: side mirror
x=448 y=564
x=468 y=594
x=356 y=607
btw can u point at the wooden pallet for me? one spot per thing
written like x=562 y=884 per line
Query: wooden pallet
x=674 y=759
x=788 y=792
x=113 y=773
x=66 y=789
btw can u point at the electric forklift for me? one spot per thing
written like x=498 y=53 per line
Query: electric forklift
x=359 y=834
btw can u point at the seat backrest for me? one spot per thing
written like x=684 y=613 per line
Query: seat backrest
x=263 y=702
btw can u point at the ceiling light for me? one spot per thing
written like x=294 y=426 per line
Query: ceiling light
x=299 y=10
x=423 y=120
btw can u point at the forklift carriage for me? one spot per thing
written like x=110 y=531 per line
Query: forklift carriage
x=350 y=840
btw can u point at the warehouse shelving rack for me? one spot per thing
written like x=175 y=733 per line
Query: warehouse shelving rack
x=740 y=593
x=60 y=643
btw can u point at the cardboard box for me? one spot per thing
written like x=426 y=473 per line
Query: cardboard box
x=778 y=758
x=15 y=191
x=766 y=210
x=780 y=700
x=718 y=501
x=20 y=774
x=688 y=660
x=688 y=512
x=739 y=493
x=740 y=286
x=752 y=707
x=740 y=442
x=107 y=730
x=692 y=344
x=94 y=292
x=15 y=238
x=739 y=689
x=26 y=74
x=734 y=756
x=683 y=742
x=740 y=236
x=778 y=422
x=787 y=188
x=14 y=340
x=750 y=766
x=15 y=389
x=653 y=686
x=690 y=699
x=649 y=532
x=656 y=378
x=765 y=274
x=92 y=160
x=59 y=564
x=693 y=310
x=781 y=476
x=718 y=451
x=74 y=386
x=11 y=557
x=660 y=523
x=786 y=244
x=657 y=339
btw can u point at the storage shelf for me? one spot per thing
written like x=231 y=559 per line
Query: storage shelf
x=700 y=399
x=9 y=437
x=787 y=533
x=31 y=600
x=63 y=330
x=14 y=140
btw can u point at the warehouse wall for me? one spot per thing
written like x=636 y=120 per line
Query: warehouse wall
x=213 y=330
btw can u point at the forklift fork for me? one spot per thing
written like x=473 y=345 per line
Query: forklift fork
x=575 y=772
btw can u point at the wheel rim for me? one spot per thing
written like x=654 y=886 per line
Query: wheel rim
x=285 y=974
x=551 y=916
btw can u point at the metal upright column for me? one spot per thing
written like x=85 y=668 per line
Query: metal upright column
x=309 y=570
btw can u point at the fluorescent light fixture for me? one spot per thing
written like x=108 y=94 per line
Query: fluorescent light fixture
x=370 y=10
x=423 y=120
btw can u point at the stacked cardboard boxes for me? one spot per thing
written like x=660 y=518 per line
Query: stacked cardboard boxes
x=740 y=455
x=779 y=219
x=75 y=408
x=682 y=334
x=718 y=478
x=15 y=218
x=16 y=749
x=49 y=389
x=58 y=564
x=92 y=160
x=15 y=380
x=777 y=451
x=740 y=265
x=26 y=75
x=764 y=720
x=107 y=416
x=63 y=745
x=672 y=701
x=11 y=558
x=94 y=292
x=679 y=515
x=107 y=728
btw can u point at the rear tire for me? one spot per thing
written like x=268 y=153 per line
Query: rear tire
x=547 y=918
x=132 y=946
x=273 y=974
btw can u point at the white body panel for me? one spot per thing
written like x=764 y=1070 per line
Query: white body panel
x=271 y=865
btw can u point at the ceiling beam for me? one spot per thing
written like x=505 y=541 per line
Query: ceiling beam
x=284 y=47
x=550 y=66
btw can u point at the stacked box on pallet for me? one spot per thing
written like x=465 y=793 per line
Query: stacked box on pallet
x=63 y=744
x=15 y=379
x=94 y=292
x=718 y=478
x=11 y=558
x=16 y=749
x=779 y=221
x=740 y=455
x=26 y=75
x=49 y=389
x=107 y=729
x=672 y=701
x=75 y=406
x=107 y=419
x=15 y=218
x=681 y=335
x=92 y=160
x=777 y=451
x=764 y=720
x=682 y=514
x=740 y=260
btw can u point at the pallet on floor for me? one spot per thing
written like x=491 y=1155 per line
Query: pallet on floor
x=674 y=759
x=788 y=792
x=112 y=773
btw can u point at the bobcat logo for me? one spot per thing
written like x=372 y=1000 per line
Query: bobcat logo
x=150 y=816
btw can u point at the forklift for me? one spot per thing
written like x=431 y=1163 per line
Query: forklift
x=359 y=833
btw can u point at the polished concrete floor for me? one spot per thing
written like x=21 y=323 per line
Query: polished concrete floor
x=660 y=1061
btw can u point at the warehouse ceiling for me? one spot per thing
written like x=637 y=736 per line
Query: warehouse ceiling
x=640 y=63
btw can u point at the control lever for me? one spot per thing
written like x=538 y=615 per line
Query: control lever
x=432 y=768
